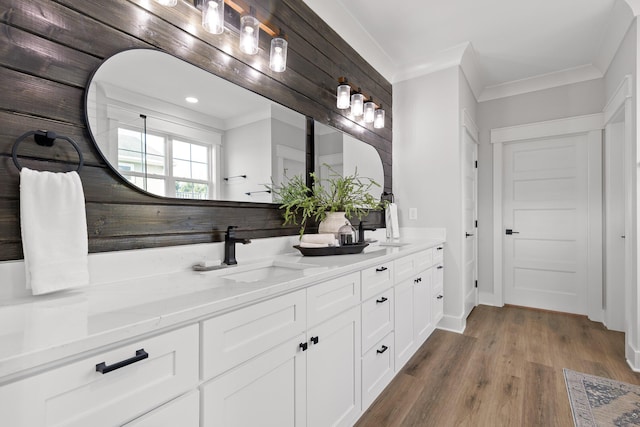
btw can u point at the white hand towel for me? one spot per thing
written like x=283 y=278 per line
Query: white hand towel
x=320 y=238
x=391 y=221
x=54 y=230
x=314 y=245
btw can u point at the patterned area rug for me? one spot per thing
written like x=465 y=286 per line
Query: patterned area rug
x=597 y=401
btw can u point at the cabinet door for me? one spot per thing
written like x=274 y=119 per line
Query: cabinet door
x=377 y=370
x=404 y=324
x=334 y=371
x=437 y=294
x=422 y=289
x=268 y=390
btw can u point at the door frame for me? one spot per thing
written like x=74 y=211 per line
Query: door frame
x=592 y=125
x=470 y=128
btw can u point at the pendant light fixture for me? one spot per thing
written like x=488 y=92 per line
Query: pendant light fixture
x=357 y=104
x=378 y=120
x=168 y=3
x=369 y=111
x=249 y=32
x=344 y=94
x=278 y=54
x=213 y=16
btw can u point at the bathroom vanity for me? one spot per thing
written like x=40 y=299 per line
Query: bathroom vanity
x=290 y=340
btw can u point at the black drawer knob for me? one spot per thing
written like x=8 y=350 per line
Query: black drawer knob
x=382 y=349
x=381 y=300
x=381 y=269
x=315 y=340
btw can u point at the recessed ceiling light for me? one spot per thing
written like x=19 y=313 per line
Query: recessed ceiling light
x=191 y=99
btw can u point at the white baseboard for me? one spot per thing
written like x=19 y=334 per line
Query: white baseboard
x=452 y=324
x=488 y=298
x=633 y=358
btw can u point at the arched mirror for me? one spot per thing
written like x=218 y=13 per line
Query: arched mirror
x=175 y=130
x=340 y=153
x=228 y=145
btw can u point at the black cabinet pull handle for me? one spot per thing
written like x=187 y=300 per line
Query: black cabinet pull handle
x=382 y=349
x=468 y=234
x=509 y=232
x=304 y=346
x=439 y=248
x=381 y=269
x=440 y=267
x=103 y=368
x=440 y=297
x=381 y=300
x=417 y=280
x=315 y=340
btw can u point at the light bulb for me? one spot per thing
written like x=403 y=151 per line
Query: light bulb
x=278 y=56
x=357 y=104
x=369 y=111
x=344 y=96
x=378 y=121
x=213 y=16
x=249 y=33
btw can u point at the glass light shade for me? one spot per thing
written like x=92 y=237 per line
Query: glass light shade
x=169 y=3
x=344 y=97
x=378 y=121
x=249 y=33
x=213 y=16
x=357 y=104
x=369 y=111
x=278 y=56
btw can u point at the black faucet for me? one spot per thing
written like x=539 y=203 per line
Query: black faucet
x=230 y=241
x=361 y=229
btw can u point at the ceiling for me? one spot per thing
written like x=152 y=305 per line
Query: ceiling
x=508 y=40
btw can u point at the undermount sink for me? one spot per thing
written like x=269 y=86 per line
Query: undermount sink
x=266 y=271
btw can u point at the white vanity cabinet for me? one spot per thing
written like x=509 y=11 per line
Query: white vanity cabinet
x=413 y=293
x=76 y=394
x=184 y=411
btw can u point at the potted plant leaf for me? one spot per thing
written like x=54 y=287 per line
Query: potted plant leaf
x=331 y=200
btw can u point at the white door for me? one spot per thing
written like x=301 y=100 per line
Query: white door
x=545 y=217
x=470 y=205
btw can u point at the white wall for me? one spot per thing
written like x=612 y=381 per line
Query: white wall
x=254 y=138
x=624 y=63
x=560 y=102
x=426 y=174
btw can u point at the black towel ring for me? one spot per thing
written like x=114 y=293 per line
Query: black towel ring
x=45 y=139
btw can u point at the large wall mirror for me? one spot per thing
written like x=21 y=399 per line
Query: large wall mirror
x=175 y=130
x=227 y=145
x=340 y=153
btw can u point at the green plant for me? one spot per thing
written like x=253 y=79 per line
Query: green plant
x=349 y=194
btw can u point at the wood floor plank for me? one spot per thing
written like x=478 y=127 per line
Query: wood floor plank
x=505 y=370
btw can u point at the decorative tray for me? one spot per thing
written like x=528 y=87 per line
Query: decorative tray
x=356 y=248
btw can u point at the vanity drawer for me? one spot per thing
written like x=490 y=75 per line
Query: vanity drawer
x=376 y=279
x=332 y=297
x=377 y=369
x=409 y=265
x=77 y=395
x=377 y=318
x=238 y=336
x=183 y=411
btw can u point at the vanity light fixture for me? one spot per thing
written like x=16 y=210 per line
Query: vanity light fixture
x=357 y=104
x=378 y=120
x=213 y=16
x=369 y=111
x=278 y=54
x=344 y=94
x=249 y=32
x=168 y=3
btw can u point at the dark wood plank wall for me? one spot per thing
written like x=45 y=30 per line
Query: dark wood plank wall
x=49 y=50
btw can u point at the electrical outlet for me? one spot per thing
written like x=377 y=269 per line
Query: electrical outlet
x=413 y=213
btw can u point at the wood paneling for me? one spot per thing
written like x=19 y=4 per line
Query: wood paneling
x=50 y=50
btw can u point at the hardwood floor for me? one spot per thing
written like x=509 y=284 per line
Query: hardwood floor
x=505 y=370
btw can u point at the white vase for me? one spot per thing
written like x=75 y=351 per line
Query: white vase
x=332 y=223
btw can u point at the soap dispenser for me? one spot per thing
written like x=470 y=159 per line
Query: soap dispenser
x=346 y=234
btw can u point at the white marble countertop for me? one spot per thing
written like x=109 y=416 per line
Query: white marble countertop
x=42 y=330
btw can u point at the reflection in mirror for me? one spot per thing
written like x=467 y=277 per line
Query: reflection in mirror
x=175 y=130
x=341 y=153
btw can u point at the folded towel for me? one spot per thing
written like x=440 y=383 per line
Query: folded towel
x=314 y=245
x=391 y=220
x=323 y=238
x=54 y=230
